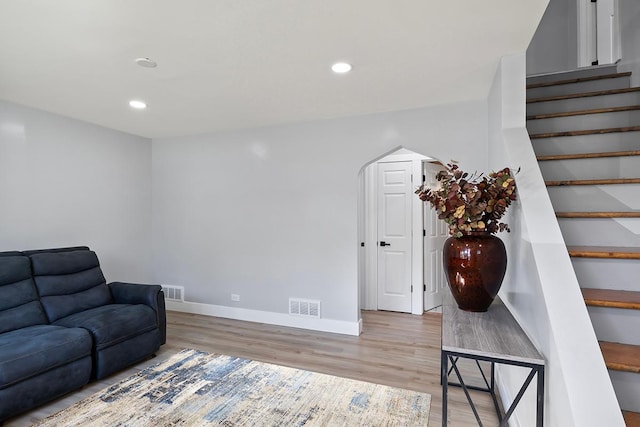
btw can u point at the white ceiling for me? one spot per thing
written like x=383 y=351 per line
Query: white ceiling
x=229 y=64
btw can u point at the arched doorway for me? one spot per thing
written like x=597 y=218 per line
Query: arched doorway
x=399 y=262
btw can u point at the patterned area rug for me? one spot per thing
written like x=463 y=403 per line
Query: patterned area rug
x=196 y=388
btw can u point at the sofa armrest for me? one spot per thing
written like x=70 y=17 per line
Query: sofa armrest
x=151 y=295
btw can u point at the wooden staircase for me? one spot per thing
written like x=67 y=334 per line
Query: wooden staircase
x=585 y=129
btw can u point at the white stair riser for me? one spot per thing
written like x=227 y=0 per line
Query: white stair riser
x=595 y=198
x=588 y=86
x=622 y=141
x=627 y=387
x=600 y=231
x=615 y=274
x=585 y=122
x=586 y=103
x=597 y=168
x=607 y=321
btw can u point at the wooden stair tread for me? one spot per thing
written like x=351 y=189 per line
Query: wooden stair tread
x=578 y=80
x=612 y=252
x=613 y=181
x=584 y=112
x=612 y=298
x=589 y=155
x=631 y=419
x=598 y=214
x=583 y=95
x=621 y=357
x=584 y=132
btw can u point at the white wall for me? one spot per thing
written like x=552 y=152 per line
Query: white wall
x=64 y=182
x=271 y=213
x=540 y=286
x=630 y=34
x=554 y=46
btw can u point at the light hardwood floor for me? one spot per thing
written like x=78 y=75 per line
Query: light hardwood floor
x=400 y=350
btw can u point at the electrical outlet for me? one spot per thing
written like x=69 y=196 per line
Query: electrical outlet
x=235 y=297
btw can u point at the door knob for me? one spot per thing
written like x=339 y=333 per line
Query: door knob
x=383 y=243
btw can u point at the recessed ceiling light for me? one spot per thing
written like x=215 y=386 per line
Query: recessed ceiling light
x=137 y=104
x=146 y=62
x=341 y=67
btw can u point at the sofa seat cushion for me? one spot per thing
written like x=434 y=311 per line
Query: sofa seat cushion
x=27 y=352
x=113 y=323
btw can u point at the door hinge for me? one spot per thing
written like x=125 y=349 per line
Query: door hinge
x=424 y=287
x=424 y=178
x=362 y=244
x=424 y=233
x=594 y=1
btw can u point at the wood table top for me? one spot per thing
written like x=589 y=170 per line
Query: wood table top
x=494 y=333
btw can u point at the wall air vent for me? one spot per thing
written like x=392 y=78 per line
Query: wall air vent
x=304 y=307
x=173 y=293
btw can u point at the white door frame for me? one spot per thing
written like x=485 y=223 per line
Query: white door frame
x=369 y=284
x=587 y=50
x=608 y=18
x=599 y=24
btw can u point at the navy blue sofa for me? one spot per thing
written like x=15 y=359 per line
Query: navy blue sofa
x=62 y=325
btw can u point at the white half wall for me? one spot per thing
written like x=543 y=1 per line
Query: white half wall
x=271 y=213
x=554 y=46
x=65 y=182
x=540 y=286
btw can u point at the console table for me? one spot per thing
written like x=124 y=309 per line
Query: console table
x=495 y=337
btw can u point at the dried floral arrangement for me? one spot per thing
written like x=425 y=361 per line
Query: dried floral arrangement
x=473 y=202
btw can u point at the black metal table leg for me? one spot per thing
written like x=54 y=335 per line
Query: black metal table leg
x=540 y=398
x=444 y=378
x=449 y=364
x=466 y=392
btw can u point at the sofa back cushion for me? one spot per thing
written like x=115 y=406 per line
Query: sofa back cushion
x=69 y=282
x=67 y=249
x=19 y=305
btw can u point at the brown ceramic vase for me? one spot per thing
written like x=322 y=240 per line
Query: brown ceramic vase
x=475 y=265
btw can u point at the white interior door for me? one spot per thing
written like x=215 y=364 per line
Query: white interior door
x=436 y=232
x=394 y=236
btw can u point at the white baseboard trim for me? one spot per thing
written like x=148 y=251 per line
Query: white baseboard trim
x=268 y=317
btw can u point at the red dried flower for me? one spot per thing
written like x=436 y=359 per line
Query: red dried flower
x=471 y=202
